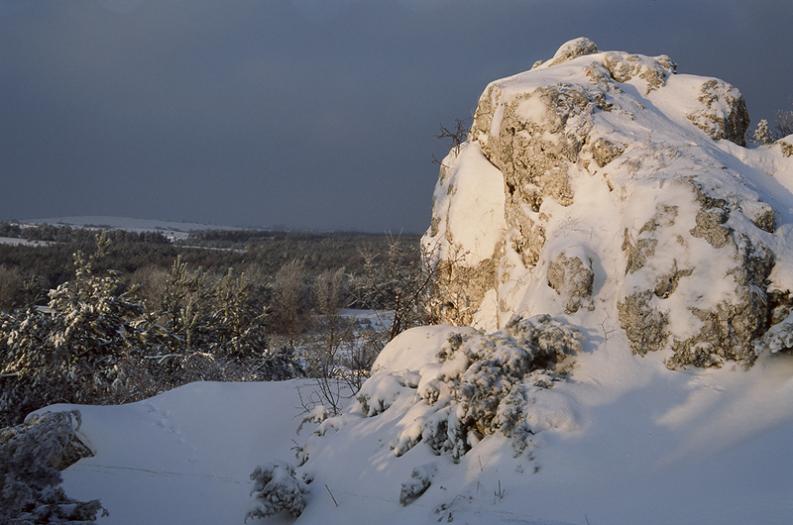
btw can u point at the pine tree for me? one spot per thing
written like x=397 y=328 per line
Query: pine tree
x=762 y=133
x=238 y=321
x=78 y=348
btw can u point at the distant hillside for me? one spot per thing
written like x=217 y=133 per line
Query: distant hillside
x=174 y=230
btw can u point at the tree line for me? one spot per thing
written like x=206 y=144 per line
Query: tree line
x=104 y=335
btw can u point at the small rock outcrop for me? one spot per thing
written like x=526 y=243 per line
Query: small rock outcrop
x=31 y=457
x=572 y=278
x=723 y=114
x=617 y=157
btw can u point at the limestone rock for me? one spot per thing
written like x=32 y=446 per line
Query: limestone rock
x=572 y=49
x=594 y=152
x=724 y=115
x=572 y=278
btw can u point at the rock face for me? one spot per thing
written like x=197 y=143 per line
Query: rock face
x=606 y=187
x=572 y=278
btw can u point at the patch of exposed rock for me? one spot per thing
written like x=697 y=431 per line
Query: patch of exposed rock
x=786 y=144
x=572 y=278
x=723 y=114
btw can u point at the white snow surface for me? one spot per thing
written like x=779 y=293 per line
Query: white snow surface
x=183 y=456
x=475 y=217
x=654 y=447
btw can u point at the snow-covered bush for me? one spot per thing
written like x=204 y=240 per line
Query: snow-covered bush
x=779 y=338
x=420 y=480
x=762 y=133
x=481 y=384
x=97 y=342
x=31 y=458
x=78 y=348
x=237 y=323
x=277 y=488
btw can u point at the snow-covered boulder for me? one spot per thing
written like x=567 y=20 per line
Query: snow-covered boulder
x=31 y=457
x=676 y=234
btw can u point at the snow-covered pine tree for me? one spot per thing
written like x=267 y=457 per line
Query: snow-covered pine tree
x=238 y=322
x=83 y=347
x=762 y=133
x=277 y=488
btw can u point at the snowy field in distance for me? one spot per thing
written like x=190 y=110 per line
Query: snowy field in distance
x=174 y=230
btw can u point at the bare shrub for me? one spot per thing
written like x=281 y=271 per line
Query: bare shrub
x=288 y=300
x=324 y=358
x=456 y=135
x=401 y=288
x=784 y=124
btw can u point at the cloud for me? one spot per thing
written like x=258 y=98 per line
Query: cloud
x=315 y=113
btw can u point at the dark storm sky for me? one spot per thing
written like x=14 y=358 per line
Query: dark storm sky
x=305 y=113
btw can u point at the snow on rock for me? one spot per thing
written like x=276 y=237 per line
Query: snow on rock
x=616 y=158
x=31 y=457
x=571 y=49
x=469 y=191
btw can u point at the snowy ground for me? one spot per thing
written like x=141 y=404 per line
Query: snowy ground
x=656 y=447
x=378 y=320
x=184 y=456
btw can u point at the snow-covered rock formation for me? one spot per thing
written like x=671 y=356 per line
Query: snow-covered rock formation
x=605 y=186
x=603 y=222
